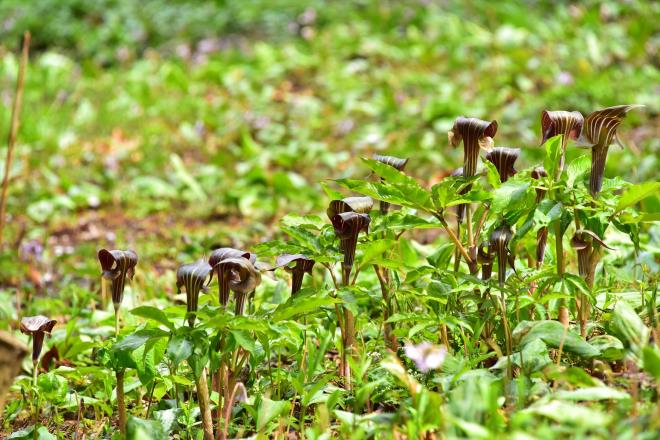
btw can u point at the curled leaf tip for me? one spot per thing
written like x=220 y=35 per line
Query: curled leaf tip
x=504 y=159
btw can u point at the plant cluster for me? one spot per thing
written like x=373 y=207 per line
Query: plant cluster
x=517 y=332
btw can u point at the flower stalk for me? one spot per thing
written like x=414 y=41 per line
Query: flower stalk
x=117 y=265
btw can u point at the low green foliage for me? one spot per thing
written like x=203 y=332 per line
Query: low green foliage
x=378 y=296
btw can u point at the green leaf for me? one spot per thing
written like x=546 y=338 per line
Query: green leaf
x=244 y=340
x=651 y=356
x=139 y=338
x=179 y=349
x=29 y=434
x=140 y=429
x=389 y=173
x=552 y=155
x=577 y=168
x=305 y=301
x=554 y=334
x=154 y=314
x=492 y=175
x=167 y=418
x=630 y=328
x=569 y=413
x=186 y=178
x=511 y=195
x=611 y=348
x=592 y=394
x=331 y=193
x=376 y=249
x=534 y=357
x=269 y=410
x=635 y=193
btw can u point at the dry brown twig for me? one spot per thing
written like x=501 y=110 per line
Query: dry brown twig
x=13 y=129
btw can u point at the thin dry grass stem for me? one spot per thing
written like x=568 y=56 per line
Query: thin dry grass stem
x=13 y=130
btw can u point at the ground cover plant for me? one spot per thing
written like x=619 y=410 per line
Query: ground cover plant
x=319 y=220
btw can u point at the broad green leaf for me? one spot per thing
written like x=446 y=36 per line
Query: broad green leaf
x=375 y=249
x=141 y=429
x=412 y=197
x=269 y=410
x=139 y=338
x=154 y=314
x=636 y=193
x=592 y=394
x=244 y=340
x=577 y=168
x=554 y=335
x=630 y=328
x=167 y=418
x=611 y=348
x=512 y=195
x=569 y=413
x=391 y=174
x=400 y=221
x=306 y=301
x=552 y=155
x=651 y=357
x=534 y=357
x=179 y=349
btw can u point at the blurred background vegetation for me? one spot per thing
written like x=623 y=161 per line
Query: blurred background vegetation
x=225 y=115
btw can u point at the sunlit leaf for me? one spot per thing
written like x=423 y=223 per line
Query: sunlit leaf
x=637 y=193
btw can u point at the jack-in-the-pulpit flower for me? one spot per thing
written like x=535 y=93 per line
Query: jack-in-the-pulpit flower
x=226 y=252
x=194 y=277
x=37 y=327
x=426 y=356
x=361 y=205
x=117 y=265
x=298 y=265
x=504 y=160
x=600 y=129
x=238 y=275
x=348 y=226
x=395 y=162
x=582 y=242
x=499 y=240
x=568 y=124
x=476 y=134
x=539 y=173
x=542 y=235
x=219 y=255
x=485 y=257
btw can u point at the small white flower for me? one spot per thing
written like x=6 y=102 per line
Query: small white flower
x=426 y=355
